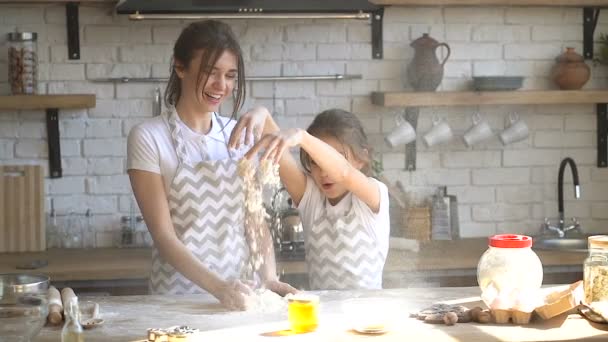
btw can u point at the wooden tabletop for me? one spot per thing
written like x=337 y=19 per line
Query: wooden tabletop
x=128 y=317
x=135 y=263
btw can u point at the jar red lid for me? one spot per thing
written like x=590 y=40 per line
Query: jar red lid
x=510 y=241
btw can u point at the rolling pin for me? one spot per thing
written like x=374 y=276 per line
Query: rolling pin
x=55 y=307
x=66 y=296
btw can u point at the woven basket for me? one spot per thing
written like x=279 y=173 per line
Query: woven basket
x=416 y=223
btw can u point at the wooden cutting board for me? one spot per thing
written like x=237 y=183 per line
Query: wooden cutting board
x=22 y=219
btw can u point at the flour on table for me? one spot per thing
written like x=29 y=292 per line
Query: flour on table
x=265 y=301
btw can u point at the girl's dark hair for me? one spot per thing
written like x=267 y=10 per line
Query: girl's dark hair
x=347 y=129
x=213 y=38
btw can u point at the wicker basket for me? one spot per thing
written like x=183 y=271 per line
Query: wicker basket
x=416 y=223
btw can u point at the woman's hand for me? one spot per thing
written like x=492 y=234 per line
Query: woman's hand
x=233 y=295
x=251 y=124
x=280 y=287
x=275 y=144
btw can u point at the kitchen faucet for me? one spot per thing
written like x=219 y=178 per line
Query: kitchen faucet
x=561 y=229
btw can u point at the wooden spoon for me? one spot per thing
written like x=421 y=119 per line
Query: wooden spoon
x=94 y=321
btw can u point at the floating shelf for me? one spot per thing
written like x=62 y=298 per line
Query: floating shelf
x=526 y=97
x=24 y=102
x=52 y=104
x=455 y=98
x=549 y=3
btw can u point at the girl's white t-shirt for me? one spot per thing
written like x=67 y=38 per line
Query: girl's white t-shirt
x=377 y=224
x=151 y=148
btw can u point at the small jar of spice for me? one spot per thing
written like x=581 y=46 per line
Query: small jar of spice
x=596 y=270
x=23 y=62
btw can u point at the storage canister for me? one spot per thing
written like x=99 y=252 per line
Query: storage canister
x=23 y=63
x=509 y=273
x=595 y=271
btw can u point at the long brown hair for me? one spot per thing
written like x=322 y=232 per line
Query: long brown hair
x=213 y=38
x=347 y=129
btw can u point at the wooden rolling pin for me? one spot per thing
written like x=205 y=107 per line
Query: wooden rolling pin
x=55 y=307
x=66 y=295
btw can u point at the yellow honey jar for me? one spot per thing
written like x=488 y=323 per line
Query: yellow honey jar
x=303 y=312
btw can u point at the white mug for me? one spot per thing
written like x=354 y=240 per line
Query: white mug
x=441 y=132
x=516 y=131
x=479 y=131
x=404 y=133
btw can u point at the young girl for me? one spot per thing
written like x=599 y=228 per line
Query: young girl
x=184 y=176
x=344 y=212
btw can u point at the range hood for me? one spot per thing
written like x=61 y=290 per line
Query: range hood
x=246 y=9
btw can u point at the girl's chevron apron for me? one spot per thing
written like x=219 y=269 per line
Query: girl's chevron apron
x=341 y=254
x=206 y=204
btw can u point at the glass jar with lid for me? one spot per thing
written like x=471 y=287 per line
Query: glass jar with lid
x=23 y=62
x=595 y=271
x=509 y=273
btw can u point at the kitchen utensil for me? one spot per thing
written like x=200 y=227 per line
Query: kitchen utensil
x=23 y=305
x=22 y=226
x=156 y=102
x=66 y=295
x=90 y=315
x=497 y=83
x=55 y=316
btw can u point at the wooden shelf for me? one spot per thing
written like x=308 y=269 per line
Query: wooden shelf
x=47 y=101
x=431 y=99
x=548 y=3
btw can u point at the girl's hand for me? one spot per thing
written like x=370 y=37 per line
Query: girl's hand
x=252 y=124
x=233 y=295
x=275 y=144
x=279 y=287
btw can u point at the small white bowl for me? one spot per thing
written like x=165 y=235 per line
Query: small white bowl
x=372 y=315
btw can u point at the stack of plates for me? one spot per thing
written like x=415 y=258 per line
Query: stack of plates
x=495 y=83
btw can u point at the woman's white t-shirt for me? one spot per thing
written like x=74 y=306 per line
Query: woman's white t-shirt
x=151 y=148
x=377 y=224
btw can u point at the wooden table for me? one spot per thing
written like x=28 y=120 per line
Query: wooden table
x=128 y=317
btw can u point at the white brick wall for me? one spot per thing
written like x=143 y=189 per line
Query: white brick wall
x=500 y=189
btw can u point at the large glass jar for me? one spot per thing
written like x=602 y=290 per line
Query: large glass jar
x=509 y=273
x=22 y=62
x=596 y=270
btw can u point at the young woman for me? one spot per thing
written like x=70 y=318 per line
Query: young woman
x=184 y=176
x=344 y=212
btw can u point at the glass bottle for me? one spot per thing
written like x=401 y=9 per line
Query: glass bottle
x=72 y=330
x=23 y=62
x=595 y=271
x=440 y=216
x=126 y=231
x=89 y=239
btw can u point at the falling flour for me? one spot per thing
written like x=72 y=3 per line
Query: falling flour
x=254 y=181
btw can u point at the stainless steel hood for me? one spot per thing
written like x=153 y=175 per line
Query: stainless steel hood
x=263 y=9
x=259 y=9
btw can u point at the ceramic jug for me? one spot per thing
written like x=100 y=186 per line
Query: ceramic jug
x=424 y=72
x=570 y=72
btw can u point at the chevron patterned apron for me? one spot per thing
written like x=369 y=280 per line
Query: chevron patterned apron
x=341 y=254
x=206 y=205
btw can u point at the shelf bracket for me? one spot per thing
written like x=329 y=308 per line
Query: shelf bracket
x=52 y=132
x=590 y=17
x=411 y=116
x=71 y=13
x=377 y=18
x=602 y=135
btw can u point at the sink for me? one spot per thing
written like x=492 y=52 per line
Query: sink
x=573 y=244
